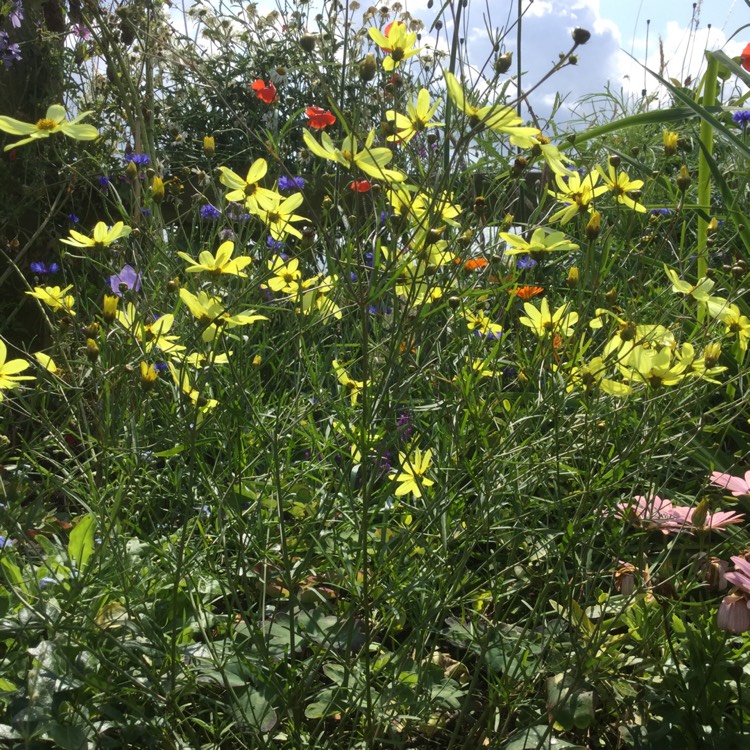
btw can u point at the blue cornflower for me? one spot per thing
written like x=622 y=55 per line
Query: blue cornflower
x=274 y=244
x=291 y=183
x=161 y=366
x=525 y=262
x=140 y=160
x=742 y=118
x=210 y=212
x=104 y=182
x=44 y=269
x=73 y=219
x=146 y=212
x=9 y=53
x=661 y=211
x=5 y=542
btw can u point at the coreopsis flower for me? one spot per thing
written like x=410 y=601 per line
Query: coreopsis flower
x=53 y=122
x=210 y=312
x=55 y=298
x=10 y=369
x=199 y=401
x=738 y=486
x=484 y=325
x=247 y=190
x=541 y=145
x=220 y=263
x=372 y=161
x=266 y=92
x=103 y=236
x=655 y=368
x=540 y=243
x=355 y=387
x=416 y=120
x=154 y=335
x=313 y=295
x=671 y=140
x=47 y=363
x=149 y=375
x=411 y=477
x=589 y=376
x=576 y=192
x=319 y=118
x=544 y=322
x=497 y=117
x=397 y=41
x=286 y=275
x=735 y=322
x=619 y=184
x=700 y=291
x=279 y=217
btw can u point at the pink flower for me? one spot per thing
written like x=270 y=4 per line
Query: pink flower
x=655 y=513
x=740 y=576
x=733 y=615
x=736 y=485
x=720 y=519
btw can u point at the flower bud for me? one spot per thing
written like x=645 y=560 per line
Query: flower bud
x=131 y=171
x=109 y=307
x=92 y=330
x=209 y=145
x=581 y=36
x=573 y=59
x=368 y=68
x=611 y=296
x=307 y=42
x=625 y=579
x=670 y=143
x=711 y=354
x=503 y=63
x=713 y=573
x=92 y=350
x=149 y=374
x=683 y=179
x=173 y=284
x=594 y=226
x=572 y=280
x=733 y=615
x=157 y=189
x=615 y=160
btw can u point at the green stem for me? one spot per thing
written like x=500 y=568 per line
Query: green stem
x=710 y=92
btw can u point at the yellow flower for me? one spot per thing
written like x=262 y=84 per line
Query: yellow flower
x=211 y=313
x=655 y=368
x=620 y=185
x=398 y=41
x=700 y=291
x=278 y=217
x=736 y=323
x=483 y=324
x=497 y=117
x=248 y=191
x=109 y=307
x=53 y=122
x=151 y=335
x=47 y=362
x=222 y=262
x=416 y=120
x=199 y=401
x=670 y=142
x=541 y=242
x=9 y=369
x=370 y=160
x=149 y=374
x=544 y=322
x=412 y=477
x=355 y=387
x=590 y=376
x=286 y=276
x=157 y=189
x=104 y=236
x=577 y=192
x=56 y=298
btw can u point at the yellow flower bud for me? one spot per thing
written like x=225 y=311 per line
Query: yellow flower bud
x=572 y=280
x=92 y=350
x=209 y=145
x=368 y=68
x=149 y=374
x=594 y=226
x=157 y=189
x=683 y=179
x=109 y=308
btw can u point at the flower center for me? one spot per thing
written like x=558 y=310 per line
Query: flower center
x=46 y=124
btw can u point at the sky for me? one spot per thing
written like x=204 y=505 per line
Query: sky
x=622 y=40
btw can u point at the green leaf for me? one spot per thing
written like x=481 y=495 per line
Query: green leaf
x=170 y=452
x=253 y=710
x=7 y=686
x=81 y=543
x=538 y=738
x=570 y=704
x=68 y=738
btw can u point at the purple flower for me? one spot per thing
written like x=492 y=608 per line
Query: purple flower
x=146 y=212
x=16 y=14
x=5 y=542
x=526 y=262
x=73 y=219
x=661 y=211
x=291 y=183
x=44 y=269
x=140 y=160
x=161 y=366
x=124 y=281
x=104 y=182
x=742 y=118
x=9 y=53
x=81 y=31
x=210 y=212
x=274 y=244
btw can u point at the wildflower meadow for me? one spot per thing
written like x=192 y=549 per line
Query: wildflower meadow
x=347 y=403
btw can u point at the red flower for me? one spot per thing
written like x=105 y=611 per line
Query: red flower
x=527 y=292
x=265 y=92
x=360 y=186
x=319 y=118
x=475 y=264
x=745 y=58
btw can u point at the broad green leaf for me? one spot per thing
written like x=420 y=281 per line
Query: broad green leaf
x=538 y=738
x=81 y=543
x=255 y=711
x=68 y=738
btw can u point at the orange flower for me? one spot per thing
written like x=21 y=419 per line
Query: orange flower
x=360 y=186
x=319 y=118
x=527 y=292
x=265 y=92
x=474 y=264
x=745 y=58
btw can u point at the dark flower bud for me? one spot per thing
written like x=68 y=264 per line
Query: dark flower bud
x=581 y=36
x=368 y=68
x=573 y=59
x=307 y=42
x=92 y=350
x=683 y=179
x=503 y=63
x=615 y=160
x=173 y=284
